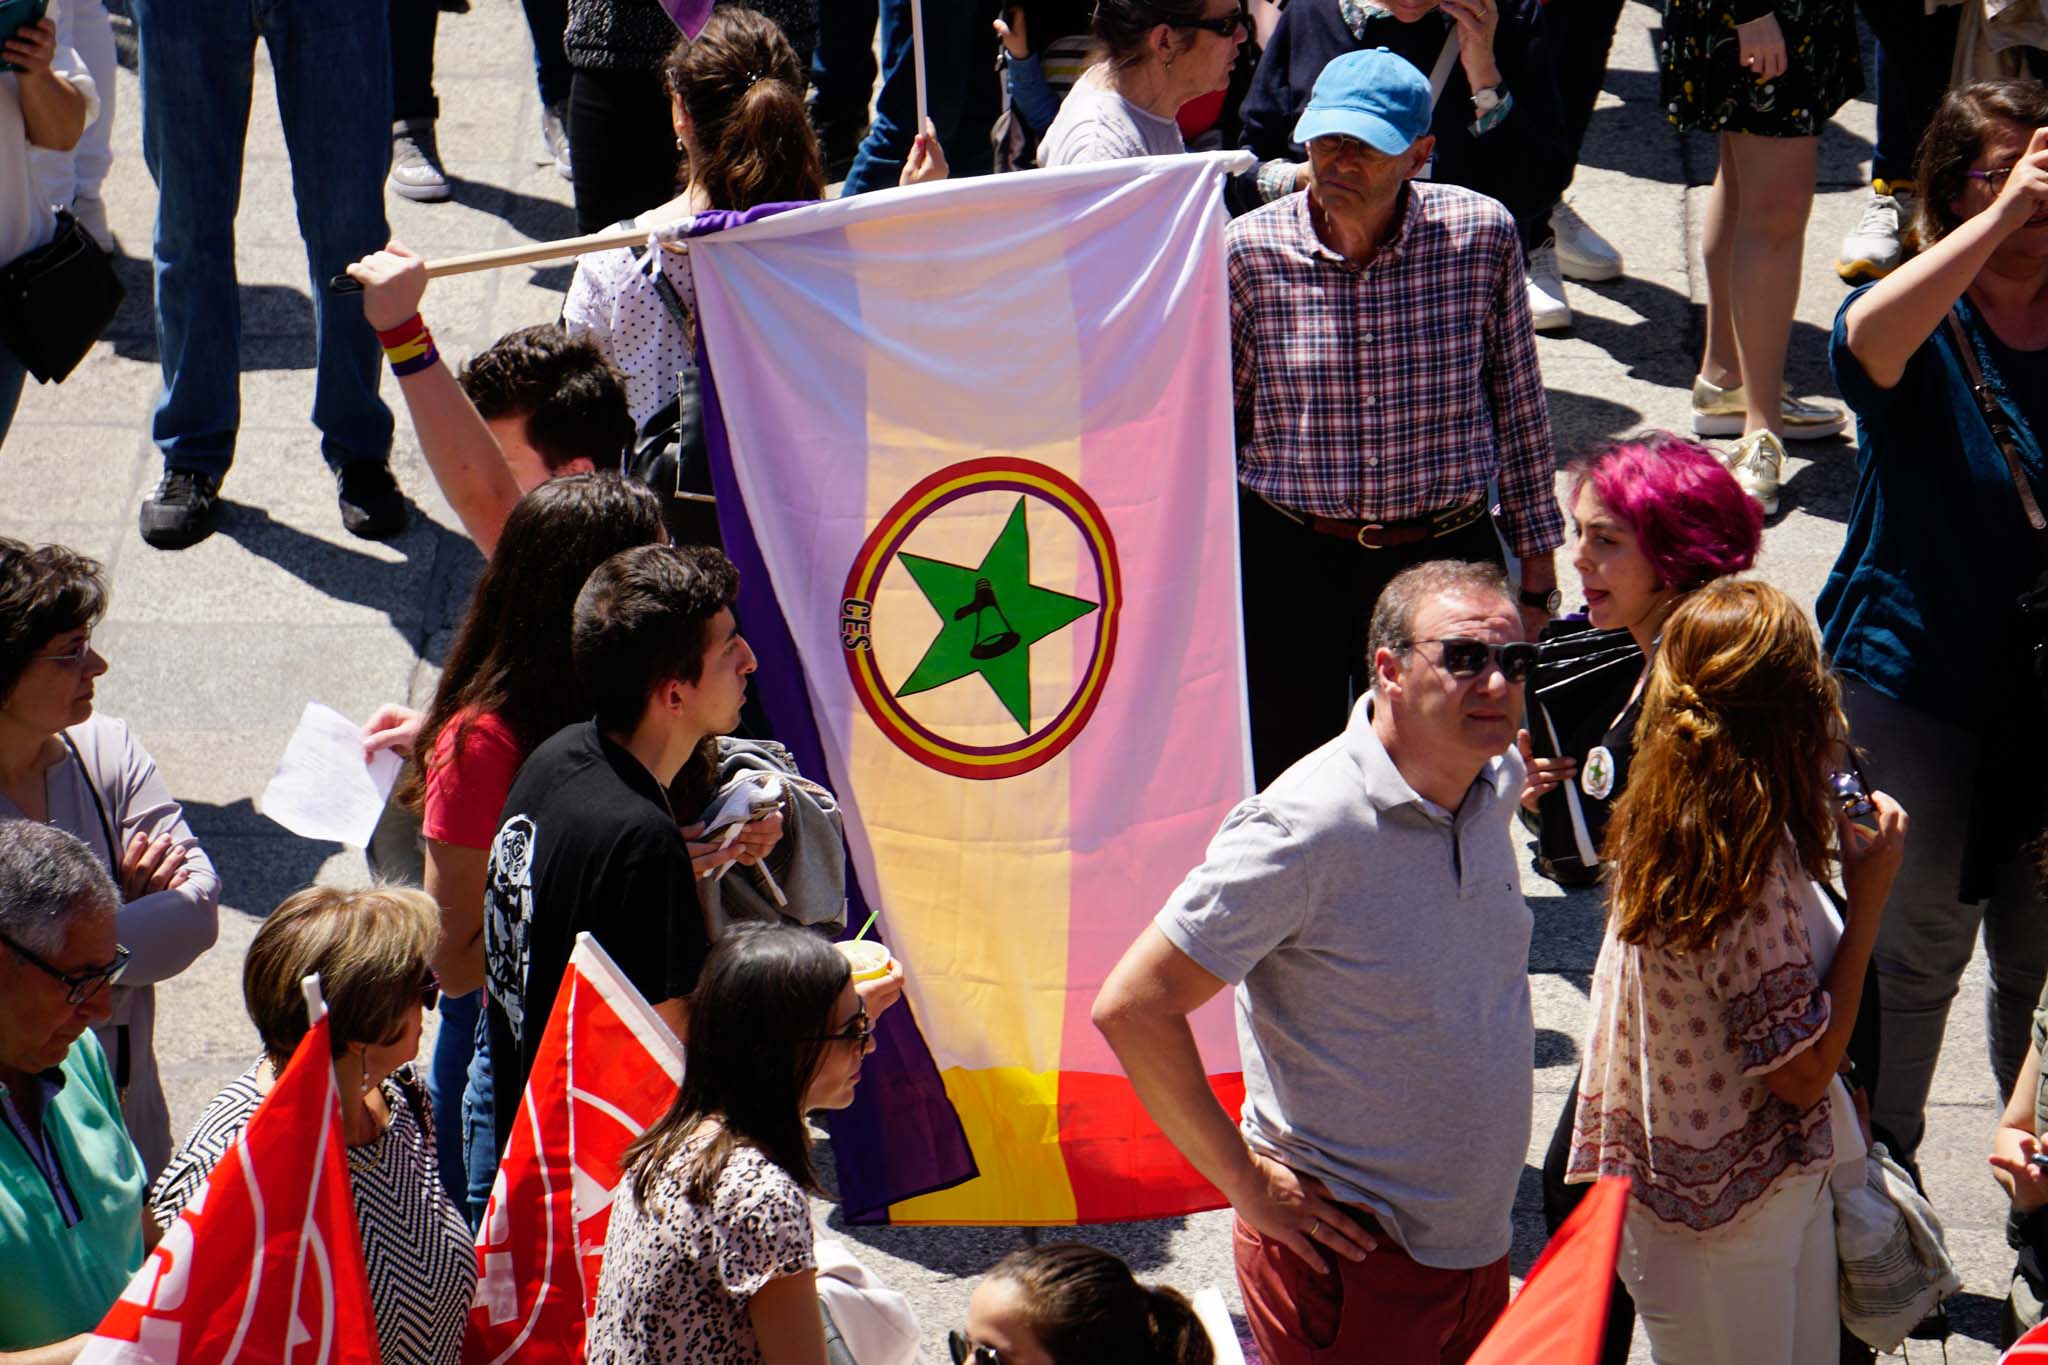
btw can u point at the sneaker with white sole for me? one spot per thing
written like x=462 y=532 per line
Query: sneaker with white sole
x=1548 y=309
x=554 y=137
x=416 y=172
x=1877 y=244
x=1582 y=253
x=1758 y=461
x=1724 y=412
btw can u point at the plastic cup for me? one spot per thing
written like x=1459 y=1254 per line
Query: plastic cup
x=870 y=960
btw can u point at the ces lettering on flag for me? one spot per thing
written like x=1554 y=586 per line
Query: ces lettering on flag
x=933 y=605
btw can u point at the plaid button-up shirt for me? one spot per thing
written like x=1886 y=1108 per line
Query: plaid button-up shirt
x=1395 y=390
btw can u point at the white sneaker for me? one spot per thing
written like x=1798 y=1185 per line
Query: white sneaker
x=1876 y=246
x=1548 y=310
x=554 y=137
x=91 y=212
x=416 y=172
x=1582 y=254
x=1756 y=464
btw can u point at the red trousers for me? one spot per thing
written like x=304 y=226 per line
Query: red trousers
x=1385 y=1310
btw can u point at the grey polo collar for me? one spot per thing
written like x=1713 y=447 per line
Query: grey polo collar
x=1384 y=785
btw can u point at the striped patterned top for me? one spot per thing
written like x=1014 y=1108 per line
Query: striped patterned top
x=416 y=1246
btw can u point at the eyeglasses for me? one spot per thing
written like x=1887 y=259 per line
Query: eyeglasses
x=858 y=1030
x=75 y=659
x=1225 y=27
x=966 y=1352
x=1463 y=658
x=82 y=984
x=1995 y=177
x=430 y=989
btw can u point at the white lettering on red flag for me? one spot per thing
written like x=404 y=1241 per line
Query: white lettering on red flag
x=263 y=1266
x=607 y=1068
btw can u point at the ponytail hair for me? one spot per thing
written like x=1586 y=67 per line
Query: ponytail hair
x=740 y=84
x=1083 y=1304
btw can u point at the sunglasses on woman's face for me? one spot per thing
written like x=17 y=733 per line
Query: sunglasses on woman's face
x=1223 y=27
x=430 y=989
x=966 y=1352
x=858 y=1030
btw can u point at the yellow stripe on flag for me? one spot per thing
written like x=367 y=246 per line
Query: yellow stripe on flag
x=1012 y=1120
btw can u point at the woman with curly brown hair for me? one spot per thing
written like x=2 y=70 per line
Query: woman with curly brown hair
x=1719 y=1021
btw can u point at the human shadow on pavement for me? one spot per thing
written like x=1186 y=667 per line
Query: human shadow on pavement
x=339 y=571
x=1581 y=421
x=541 y=219
x=259 y=861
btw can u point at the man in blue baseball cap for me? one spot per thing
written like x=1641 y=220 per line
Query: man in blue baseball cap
x=1385 y=374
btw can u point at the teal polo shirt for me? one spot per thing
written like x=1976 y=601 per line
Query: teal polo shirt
x=70 y=1203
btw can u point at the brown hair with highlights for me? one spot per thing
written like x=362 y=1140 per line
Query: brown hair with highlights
x=1739 y=718
x=371 y=950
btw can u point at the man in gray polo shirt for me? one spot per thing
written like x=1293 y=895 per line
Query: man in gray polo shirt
x=1367 y=908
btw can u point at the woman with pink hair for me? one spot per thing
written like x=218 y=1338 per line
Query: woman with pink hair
x=1653 y=517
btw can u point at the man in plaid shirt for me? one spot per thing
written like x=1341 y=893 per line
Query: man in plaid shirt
x=1385 y=372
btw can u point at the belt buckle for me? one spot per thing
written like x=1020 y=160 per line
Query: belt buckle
x=1359 y=535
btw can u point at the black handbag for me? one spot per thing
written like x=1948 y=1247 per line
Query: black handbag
x=1583 y=678
x=670 y=454
x=57 y=300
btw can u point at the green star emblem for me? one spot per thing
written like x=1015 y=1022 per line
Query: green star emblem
x=990 y=617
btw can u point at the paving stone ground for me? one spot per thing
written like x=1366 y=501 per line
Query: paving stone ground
x=215 y=650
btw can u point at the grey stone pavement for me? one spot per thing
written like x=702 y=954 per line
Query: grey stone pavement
x=215 y=650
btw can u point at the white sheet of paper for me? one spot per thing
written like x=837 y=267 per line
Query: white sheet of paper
x=322 y=788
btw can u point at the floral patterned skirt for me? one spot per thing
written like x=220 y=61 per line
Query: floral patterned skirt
x=1706 y=90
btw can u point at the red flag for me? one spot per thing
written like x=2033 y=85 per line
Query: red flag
x=607 y=1069
x=1561 y=1313
x=264 y=1266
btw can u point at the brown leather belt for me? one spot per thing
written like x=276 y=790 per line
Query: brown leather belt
x=1381 y=535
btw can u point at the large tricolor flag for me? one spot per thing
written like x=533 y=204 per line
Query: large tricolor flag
x=264 y=1266
x=974 y=457
x=607 y=1068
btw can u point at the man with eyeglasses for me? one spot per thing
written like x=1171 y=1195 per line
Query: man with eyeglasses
x=1367 y=909
x=72 y=1224
x=1385 y=376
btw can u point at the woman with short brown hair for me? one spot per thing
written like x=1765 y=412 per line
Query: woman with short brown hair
x=371 y=950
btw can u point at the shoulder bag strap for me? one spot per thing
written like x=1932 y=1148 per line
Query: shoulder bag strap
x=2001 y=431
x=99 y=807
x=1440 y=75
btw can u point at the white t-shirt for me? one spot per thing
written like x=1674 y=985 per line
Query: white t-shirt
x=1095 y=123
x=26 y=222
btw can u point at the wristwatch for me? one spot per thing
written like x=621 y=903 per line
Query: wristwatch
x=1484 y=102
x=1549 y=601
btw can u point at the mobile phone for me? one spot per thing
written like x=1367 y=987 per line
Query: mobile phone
x=18 y=14
x=1849 y=789
x=2039 y=1161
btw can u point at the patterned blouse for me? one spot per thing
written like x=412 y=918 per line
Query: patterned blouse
x=1671 y=1093
x=417 y=1252
x=677 y=1277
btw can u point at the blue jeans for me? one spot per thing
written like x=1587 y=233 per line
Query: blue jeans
x=454 y=1045
x=963 y=94
x=1913 y=52
x=12 y=375
x=479 y=1130
x=546 y=21
x=332 y=59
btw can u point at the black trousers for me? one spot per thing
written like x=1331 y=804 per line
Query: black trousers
x=622 y=145
x=1308 y=602
x=412 y=59
x=1584 y=32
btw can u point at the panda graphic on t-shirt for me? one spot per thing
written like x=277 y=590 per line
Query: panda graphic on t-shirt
x=508 y=919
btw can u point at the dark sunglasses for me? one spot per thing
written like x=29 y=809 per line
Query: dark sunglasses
x=1226 y=27
x=858 y=1030
x=966 y=1353
x=1465 y=658
x=80 y=984
x=430 y=989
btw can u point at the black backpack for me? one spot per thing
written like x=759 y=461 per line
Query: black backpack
x=670 y=454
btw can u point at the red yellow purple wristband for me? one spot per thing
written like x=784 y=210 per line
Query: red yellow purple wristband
x=409 y=346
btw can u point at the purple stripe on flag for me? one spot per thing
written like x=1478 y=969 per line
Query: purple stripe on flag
x=901 y=1137
x=689 y=15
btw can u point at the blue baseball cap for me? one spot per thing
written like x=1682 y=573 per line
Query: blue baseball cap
x=1374 y=96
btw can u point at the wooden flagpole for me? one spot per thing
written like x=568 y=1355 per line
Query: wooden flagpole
x=562 y=249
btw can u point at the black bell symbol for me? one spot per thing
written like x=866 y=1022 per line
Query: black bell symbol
x=992 y=634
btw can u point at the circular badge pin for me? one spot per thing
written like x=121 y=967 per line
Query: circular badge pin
x=1596 y=774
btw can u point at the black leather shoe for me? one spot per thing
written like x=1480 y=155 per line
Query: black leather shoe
x=183 y=511
x=371 y=505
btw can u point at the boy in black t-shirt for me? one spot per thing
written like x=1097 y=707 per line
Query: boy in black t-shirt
x=587 y=842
